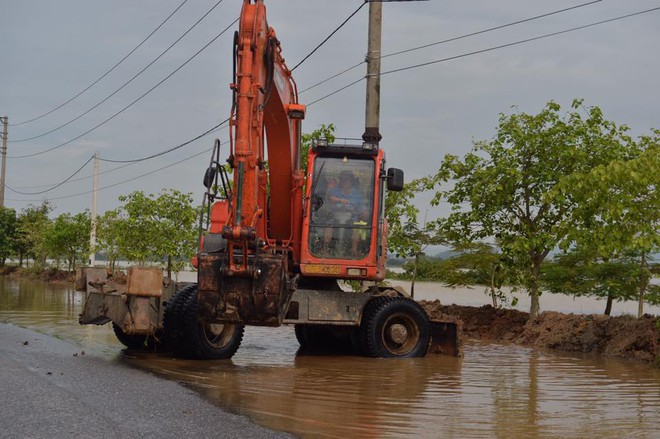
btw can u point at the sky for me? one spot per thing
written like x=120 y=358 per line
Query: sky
x=51 y=51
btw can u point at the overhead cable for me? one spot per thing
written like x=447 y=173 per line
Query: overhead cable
x=106 y=73
x=132 y=103
x=513 y=23
x=125 y=83
x=205 y=151
x=492 y=49
x=57 y=185
x=128 y=163
x=515 y=43
x=188 y=142
x=330 y=36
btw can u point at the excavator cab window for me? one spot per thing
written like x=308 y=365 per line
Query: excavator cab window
x=342 y=207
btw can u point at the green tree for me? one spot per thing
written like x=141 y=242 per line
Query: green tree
x=323 y=132
x=406 y=236
x=504 y=187
x=581 y=274
x=616 y=209
x=8 y=227
x=153 y=228
x=480 y=264
x=108 y=235
x=33 y=223
x=68 y=237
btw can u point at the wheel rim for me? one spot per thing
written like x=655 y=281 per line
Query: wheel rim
x=400 y=334
x=217 y=335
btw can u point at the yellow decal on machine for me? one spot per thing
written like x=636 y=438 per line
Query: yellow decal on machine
x=322 y=269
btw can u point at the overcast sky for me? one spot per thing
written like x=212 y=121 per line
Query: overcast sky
x=51 y=50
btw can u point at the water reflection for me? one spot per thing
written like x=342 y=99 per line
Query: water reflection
x=494 y=391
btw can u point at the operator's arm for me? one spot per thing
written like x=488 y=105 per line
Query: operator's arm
x=335 y=196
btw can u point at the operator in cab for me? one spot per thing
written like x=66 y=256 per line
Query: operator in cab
x=346 y=193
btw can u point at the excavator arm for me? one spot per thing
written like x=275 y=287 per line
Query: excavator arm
x=266 y=116
x=247 y=278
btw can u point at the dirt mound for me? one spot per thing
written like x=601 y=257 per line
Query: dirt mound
x=621 y=336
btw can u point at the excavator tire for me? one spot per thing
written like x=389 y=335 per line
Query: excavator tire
x=173 y=317
x=135 y=342
x=205 y=341
x=394 y=327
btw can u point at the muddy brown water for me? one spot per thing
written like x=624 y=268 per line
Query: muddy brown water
x=494 y=391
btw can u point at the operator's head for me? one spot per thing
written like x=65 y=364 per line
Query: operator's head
x=346 y=179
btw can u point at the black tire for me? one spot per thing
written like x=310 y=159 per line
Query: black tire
x=173 y=317
x=136 y=341
x=205 y=341
x=394 y=327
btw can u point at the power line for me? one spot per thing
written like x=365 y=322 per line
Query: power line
x=106 y=73
x=335 y=92
x=514 y=23
x=170 y=149
x=205 y=151
x=128 y=163
x=515 y=43
x=490 y=49
x=449 y=40
x=73 y=180
x=132 y=103
x=330 y=36
x=125 y=83
x=57 y=185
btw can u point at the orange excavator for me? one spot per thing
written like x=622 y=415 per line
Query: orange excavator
x=275 y=238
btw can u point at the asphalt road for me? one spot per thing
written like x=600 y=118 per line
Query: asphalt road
x=49 y=389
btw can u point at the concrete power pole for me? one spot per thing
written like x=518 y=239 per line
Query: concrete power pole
x=92 y=235
x=372 y=119
x=5 y=123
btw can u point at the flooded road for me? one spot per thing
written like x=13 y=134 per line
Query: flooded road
x=494 y=391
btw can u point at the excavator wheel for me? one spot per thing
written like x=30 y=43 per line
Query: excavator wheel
x=172 y=317
x=135 y=342
x=204 y=341
x=394 y=327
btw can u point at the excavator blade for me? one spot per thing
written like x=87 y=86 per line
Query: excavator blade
x=446 y=338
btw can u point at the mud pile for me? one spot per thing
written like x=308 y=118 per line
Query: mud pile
x=620 y=337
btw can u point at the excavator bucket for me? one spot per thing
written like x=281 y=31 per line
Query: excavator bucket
x=446 y=338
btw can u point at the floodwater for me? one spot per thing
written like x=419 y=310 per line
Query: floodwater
x=494 y=391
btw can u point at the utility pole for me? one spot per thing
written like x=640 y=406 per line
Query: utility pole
x=5 y=124
x=372 y=118
x=92 y=235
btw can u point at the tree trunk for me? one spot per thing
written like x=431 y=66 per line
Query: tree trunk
x=608 y=306
x=412 y=285
x=643 y=283
x=492 y=288
x=535 y=289
x=169 y=267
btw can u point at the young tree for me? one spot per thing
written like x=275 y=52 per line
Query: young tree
x=406 y=237
x=8 y=226
x=33 y=222
x=68 y=237
x=480 y=264
x=323 y=132
x=108 y=235
x=504 y=187
x=580 y=274
x=151 y=228
x=616 y=209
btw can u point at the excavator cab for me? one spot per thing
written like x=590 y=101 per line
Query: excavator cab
x=343 y=224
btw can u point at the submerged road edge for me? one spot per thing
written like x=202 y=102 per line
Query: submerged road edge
x=50 y=389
